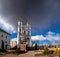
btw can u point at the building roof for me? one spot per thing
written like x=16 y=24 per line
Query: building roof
x=4 y=31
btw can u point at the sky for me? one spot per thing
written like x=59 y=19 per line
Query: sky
x=44 y=17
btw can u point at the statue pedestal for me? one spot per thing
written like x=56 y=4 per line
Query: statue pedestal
x=23 y=47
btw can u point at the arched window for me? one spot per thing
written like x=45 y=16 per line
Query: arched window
x=6 y=36
x=2 y=35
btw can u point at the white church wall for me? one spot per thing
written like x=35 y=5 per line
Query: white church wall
x=6 y=39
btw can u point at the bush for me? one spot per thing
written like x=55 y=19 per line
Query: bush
x=59 y=49
x=51 y=52
x=46 y=50
x=3 y=50
x=14 y=48
x=17 y=50
x=56 y=50
x=12 y=51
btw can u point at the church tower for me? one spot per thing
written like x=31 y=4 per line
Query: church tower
x=19 y=31
x=29 y=32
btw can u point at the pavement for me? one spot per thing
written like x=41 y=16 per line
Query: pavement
x=28 y=54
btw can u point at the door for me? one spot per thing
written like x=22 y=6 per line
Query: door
x=2 y=45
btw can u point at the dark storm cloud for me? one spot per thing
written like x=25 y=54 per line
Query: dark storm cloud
x=42 y=12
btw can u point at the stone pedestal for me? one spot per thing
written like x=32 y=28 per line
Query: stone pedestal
x=23 y=47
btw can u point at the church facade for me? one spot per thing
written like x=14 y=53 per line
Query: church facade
x=24 y=33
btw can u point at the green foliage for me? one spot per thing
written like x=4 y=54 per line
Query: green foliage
x=51 y=51
x=46 y=50
x=57 y=50
x=3 y=50
x=17 y=50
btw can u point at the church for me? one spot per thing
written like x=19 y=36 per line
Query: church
x=24 y=33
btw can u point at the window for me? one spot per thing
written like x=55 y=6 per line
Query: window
x=6 y=36
x=5 y=41
x=24 y=32
x=2 y=35
x=28 y=32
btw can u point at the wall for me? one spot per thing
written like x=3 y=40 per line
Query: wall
x=5 y=38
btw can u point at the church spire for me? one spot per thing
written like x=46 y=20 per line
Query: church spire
x=20 y=19
x=28 y=22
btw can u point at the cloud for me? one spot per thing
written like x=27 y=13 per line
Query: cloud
x=51 y=37
x=50 y=33
x=38 y=38
x=14 y=39
x=6 y=26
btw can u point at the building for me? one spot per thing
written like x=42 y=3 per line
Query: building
x=4 y=39
x=24 y=33
x=13 y=43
